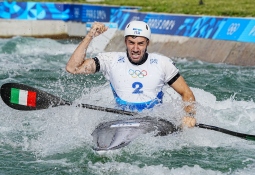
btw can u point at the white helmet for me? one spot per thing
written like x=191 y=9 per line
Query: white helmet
x=138 y=28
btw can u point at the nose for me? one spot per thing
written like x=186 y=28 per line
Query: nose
x=135 y=48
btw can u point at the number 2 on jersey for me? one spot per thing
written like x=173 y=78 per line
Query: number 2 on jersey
x=137 y=86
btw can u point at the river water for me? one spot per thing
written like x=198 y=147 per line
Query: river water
x=58 y=140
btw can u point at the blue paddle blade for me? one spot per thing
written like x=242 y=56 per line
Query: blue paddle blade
x=23 y=97
x=117 y=134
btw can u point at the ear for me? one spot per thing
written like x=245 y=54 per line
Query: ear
x=148 y=42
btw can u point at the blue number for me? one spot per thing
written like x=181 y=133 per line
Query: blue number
x=137 y=86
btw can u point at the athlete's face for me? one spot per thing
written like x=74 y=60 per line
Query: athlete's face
x=136 y=47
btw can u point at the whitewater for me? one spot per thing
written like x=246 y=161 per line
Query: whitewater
x=58 y=140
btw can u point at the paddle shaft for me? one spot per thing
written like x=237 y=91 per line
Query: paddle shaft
x=45 y=100
x=111 y=110
x=225 y=131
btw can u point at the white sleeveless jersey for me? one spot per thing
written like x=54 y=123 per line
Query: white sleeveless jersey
x=137 y=87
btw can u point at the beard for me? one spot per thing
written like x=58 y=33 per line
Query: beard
x=137 y=58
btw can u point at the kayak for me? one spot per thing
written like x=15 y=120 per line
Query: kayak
x=116 y=134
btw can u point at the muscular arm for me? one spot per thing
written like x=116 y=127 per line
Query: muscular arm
x=77 y=64
x=181 y=87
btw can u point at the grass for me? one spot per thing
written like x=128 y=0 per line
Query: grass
x=237 y=8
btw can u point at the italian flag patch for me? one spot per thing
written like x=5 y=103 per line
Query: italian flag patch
x=23 y=97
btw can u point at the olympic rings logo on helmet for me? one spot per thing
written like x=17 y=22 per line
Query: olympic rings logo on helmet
x=137 y=73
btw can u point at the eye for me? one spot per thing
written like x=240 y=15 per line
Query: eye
x=130 y=42
x=141 y=43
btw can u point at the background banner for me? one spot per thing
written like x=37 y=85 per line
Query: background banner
x=207 y=27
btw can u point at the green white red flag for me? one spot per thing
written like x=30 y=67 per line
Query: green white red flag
x=23 y=97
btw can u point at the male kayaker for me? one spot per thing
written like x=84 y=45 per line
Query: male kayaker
x=136 y=77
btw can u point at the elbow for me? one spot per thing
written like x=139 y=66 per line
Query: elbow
x=70 y=70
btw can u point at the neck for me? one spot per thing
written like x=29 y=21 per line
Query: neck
x=144 y=58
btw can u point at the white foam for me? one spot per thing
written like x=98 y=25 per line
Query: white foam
x=126 y=168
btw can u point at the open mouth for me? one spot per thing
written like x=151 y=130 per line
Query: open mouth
x=136 y=55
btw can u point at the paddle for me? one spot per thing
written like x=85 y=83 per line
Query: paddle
x=23 y=97
x=41 y=100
